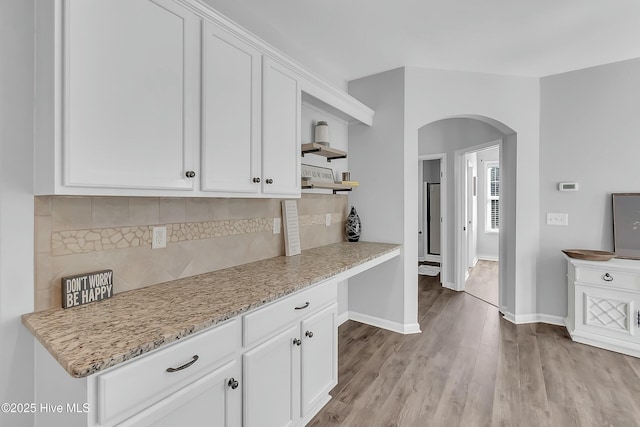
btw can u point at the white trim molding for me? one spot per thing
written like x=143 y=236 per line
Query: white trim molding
x=602 y=341
x=488 y=258
x=451 y=286
x=342 y=317
x=406 y=329
x=533 y=318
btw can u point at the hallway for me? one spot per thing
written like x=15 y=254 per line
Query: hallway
x=470 y=367
x=483 y=281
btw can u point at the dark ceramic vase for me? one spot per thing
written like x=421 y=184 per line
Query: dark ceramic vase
x=353 y=227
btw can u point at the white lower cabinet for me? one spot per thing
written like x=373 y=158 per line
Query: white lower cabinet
x=289 y=376
x=271 y=381
x=213 y=400
x=319 y=367
x=604 y=304
x=273 y=366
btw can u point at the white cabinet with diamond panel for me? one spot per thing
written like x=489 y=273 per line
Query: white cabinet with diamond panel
x=604 y=304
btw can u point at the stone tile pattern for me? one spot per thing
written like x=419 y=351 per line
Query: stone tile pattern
x=96 y=336
x=75 y=235
x=81 y=241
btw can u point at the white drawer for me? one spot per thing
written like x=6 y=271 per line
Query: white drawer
x=126 y=390
x=267 y=320
x=605 y=277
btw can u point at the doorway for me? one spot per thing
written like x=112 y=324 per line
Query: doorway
x=478 y=207
x=432 y=216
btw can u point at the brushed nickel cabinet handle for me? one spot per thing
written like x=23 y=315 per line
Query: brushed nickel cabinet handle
x=297 y=342
x=607 y=277
x=233 y=383
x=185 y=366
x=190 y=174
x=309 y=334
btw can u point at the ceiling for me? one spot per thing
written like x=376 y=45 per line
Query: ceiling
x=347 y=39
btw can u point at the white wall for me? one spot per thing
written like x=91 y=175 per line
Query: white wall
x=377 y=158
x=338 y=135
x=16 y=205
x=512 y=102
x=431 y=171
x=590 y=133
x=487 y=241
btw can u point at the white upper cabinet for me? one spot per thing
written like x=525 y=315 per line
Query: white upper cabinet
x=280 y=130
x=130 y=100
x=166 y=98
x=231 y=83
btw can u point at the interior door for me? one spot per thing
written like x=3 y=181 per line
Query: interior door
x=471 y=227
x=434 y=219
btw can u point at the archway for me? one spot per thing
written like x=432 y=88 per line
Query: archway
x=451 y=136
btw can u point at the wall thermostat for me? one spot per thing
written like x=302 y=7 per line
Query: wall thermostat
x=568 y=186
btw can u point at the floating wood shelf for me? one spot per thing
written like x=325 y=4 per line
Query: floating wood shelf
x=322 y=150
x=327 y=185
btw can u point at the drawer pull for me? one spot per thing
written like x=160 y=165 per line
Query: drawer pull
x=233 y=383
x=185 y=366
x=309 y=334
x=607 y=277
x=302 y=307
x=297 y=342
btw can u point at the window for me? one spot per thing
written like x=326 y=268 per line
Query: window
x=493 y=197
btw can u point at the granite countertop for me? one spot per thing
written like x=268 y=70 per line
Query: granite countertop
x=96 y=336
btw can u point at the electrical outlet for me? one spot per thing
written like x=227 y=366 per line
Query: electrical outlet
x=159 y=238
x=276 y=225
x=557 y=219
x=327 y=219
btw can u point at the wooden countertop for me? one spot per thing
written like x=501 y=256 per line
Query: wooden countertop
x=96 y=336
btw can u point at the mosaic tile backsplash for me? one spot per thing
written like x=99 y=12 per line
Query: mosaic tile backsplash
x=81 y=234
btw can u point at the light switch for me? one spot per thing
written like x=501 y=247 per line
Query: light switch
x=557 y=219
x=277 y=222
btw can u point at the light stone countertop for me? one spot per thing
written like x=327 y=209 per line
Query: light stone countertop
x=96 y=336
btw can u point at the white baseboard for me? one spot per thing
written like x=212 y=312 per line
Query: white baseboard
x=450 y=285
x=488 y=258
x=421 y=259
x=343 y=317
x=411 y=328
x=532 y=318
x=608 y=343
x=475 y=261
x=431 y=258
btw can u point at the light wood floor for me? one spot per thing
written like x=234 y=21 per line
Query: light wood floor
x=483 y=281
x=470 y=367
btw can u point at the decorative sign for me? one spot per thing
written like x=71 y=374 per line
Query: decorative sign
x=317 y=173
x=88 y=287
x=291 y=230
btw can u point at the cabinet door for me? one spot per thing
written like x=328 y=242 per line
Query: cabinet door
x=130 y=94
x=231 y=78
x=272 y=381
x=209 y=401
x=280 y=130
x=319 y=358
x=606 y=312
